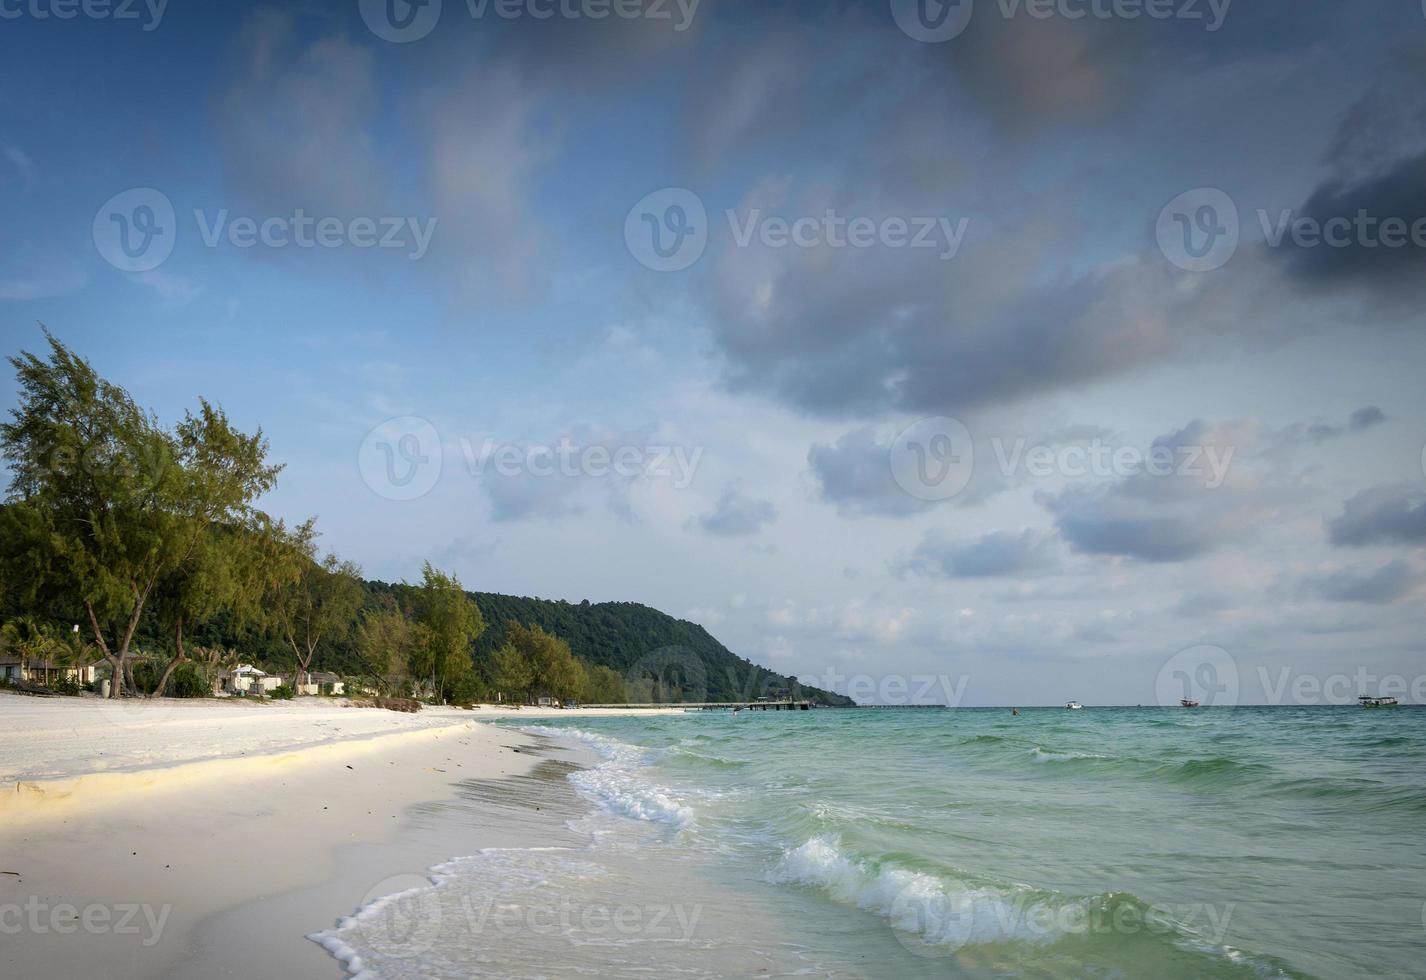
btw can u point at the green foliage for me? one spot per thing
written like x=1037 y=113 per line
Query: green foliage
x=311 y=603
x=189 y=680
x=603 y=685
x=282 y=692
x=511 y=673
x=386 y=644
x=109 y=511
x=551 y=667
x=466 y=689
x=448 y=622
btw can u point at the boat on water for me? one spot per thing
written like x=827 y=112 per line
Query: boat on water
x=1073 y=705
x=1367 y=701
x=1187 y=703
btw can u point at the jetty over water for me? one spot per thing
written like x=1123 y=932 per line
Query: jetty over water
x=783 y=704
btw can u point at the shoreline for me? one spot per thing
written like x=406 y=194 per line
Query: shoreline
x=177 y=862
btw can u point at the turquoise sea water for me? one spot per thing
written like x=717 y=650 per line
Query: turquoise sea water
x=1247 y=842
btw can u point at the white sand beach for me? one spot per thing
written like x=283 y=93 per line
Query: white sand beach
x=208 y=838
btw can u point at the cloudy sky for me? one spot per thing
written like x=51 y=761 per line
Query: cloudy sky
x=1008 y=351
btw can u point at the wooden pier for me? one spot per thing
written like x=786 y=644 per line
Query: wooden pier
x=783 y=704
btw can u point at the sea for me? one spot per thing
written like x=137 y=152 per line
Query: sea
x=1106 y=842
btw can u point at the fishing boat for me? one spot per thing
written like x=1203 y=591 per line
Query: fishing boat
x=1187 y=703
x=1367 y=701
x=1073 y=705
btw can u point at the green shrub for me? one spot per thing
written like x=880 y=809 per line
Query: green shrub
x=64 y=685
x=189 y=680
x=282 y=692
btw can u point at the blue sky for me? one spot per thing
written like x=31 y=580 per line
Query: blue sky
x=1068 y=316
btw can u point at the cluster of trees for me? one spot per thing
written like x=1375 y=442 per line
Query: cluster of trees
x=125 y=526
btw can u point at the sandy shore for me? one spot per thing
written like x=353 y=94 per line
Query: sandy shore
x=207 y=839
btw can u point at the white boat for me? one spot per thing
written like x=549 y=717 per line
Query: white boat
x=1073 y=705
x=1368 y=701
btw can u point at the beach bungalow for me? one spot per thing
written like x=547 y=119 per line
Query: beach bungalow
x=245 y=679
x=321 y=682
x=20 y=670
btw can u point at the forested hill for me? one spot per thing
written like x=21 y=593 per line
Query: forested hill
x=639 y=642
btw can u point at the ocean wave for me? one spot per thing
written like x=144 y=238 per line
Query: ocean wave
x=687 y=756
x=1211 y=771
x=617 y=785
x=940 y=913
x=937 y=910
x=1044 y=755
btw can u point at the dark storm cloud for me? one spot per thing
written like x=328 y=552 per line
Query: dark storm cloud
x=1377 y=163
x=1394 y=514
x=1096 y=522
x=1377 y=586
x=996 y=554
x=1381 y=237
x=736 y=514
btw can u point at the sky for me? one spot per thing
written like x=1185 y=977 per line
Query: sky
x=984 y=353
